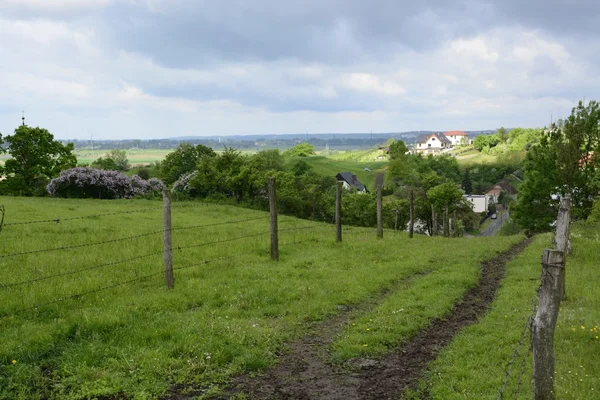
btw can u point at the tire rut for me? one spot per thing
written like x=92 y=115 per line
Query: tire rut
x=304 y=371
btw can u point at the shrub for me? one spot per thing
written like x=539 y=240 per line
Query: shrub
x=102 y=184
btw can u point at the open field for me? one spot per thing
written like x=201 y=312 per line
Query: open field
x=331 y=167
x=232 y=309
x=135 y=157
x=475 y=157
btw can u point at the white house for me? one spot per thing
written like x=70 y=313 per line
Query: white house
x=479 y=202
x=432 y=143
x=457 y=137
x=351 y=181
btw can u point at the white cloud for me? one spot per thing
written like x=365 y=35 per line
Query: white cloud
x=370 y=83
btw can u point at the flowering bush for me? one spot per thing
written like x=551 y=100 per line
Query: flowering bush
x=183 y=183
x=82 y=182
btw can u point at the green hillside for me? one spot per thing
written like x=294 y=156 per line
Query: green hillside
x=331 y=167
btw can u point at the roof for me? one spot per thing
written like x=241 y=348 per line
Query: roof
x=424 y=137
x=507 y=187
x=456 y=133
x=351 y=180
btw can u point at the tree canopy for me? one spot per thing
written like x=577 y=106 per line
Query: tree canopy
x=182 y=161
x=35 y=159
x=300 y=150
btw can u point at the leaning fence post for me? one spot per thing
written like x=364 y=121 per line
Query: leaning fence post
x=379 y=212
x=273 y=211
x=446 y=227
x=338 y=212
x=434 y=221
x=563 y=230
x=167 y=243
x=411 y=226
x=542 y=332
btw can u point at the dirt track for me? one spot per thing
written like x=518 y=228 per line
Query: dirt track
x=305 y=373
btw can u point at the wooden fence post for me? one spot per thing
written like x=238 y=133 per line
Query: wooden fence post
x=379 y=212
x=455 y=223
x=338 y=212
x=563 y=231
x=446 y=220
x=273 y=211
x=167 y=243
x=542 y=332
x=411 y=226
x=433 y=221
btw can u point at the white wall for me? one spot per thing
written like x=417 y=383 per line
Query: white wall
x=479 y=203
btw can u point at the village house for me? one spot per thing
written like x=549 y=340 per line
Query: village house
x=494 y=193
x=479 y=202
x=350 y=181
x=430 y=143
x=457 y=138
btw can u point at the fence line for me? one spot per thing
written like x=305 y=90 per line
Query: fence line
x=526 y=330
x=76 y=246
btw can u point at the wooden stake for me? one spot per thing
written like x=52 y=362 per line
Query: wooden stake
x=167 y=243
x=446 y=227
x=563 y=230
x=455 y=223
x=338 y=212
x=273 y=211
x=379 y=212
x=542 y=332
x=411 y=227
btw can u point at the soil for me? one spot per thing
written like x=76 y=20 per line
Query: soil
x=305 y=372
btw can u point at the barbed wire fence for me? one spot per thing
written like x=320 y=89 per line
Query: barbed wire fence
x=295 y=234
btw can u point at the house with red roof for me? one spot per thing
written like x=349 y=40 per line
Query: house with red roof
x=457 y=137
x=430 y=143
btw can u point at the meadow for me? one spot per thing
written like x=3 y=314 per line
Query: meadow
x=97 y=321
x=135 y=156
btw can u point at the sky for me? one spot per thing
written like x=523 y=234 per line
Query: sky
x=144 y=69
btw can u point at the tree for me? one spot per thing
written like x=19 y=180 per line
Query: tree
x=502 y=134
x=300 y=150
x=120 y=159
x=183 y=160
x=35 y=159
x=562 y=163
x=398 y=150
x=467 y=185
x=485 y=141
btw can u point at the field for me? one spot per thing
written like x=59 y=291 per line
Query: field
x=135 y=157
x=85 y=322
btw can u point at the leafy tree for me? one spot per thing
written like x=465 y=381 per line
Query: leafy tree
x=467 y=185
x=35 y=159
x=398 y=150
x=444 y=195
x=105 y=163
x=301 y=168
x=502 y=134
x=485 y=141
x=183 y=160
x=300 y=150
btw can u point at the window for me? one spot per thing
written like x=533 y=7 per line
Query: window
x=429 y=145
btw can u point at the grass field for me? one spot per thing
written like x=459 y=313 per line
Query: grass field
x=475 y=157
x=135 y=157
x=331 y=167
x=232 y=308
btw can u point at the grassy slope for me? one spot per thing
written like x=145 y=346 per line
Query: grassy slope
x=331 y=167
x=222 y=317
x=474 y=365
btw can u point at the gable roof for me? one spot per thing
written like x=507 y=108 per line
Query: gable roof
x=456 y=133
x=424 y=137
x=351 y=180
x=507 y=187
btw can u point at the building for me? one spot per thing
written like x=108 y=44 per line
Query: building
x=430 y=143
x=457 y=138
x=350 y=181
x=502 y=186
x=479 y=202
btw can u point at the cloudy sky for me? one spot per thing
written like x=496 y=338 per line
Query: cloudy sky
x=163 y=68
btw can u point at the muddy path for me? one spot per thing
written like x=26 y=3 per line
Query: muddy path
x=304 y=372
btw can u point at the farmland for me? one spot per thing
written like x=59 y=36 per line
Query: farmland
x=115 y=330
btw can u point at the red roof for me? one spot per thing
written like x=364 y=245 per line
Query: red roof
x=456 y=133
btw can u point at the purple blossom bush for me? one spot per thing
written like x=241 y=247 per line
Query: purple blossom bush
x=84 y=182
x=182 y=184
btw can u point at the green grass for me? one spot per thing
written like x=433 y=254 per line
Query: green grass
x=475 y=157
x=331 y=167
x=474 y=365
x=401 y=315
x=232 y=314
x=369 y=155
x=135 y=156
